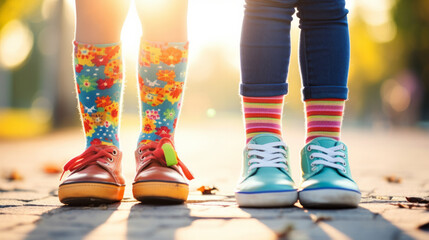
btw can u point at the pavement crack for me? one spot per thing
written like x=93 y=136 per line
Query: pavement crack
x=9 y=206
x=19 y=200
x=382 y=199
x=27 y=200
x=16 y=190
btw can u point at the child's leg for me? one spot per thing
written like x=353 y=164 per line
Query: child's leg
x=262 y=115
x=100 y=21
x=162 y=66
x=324 y=59
x=265 y=51
x=161 y=73
x=163 y=20
x=98 y=67
x=96 y=174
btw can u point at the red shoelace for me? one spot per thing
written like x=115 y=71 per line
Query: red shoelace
x=89 y=156
x=166 y=156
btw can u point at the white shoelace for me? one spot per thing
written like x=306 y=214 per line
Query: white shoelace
x=328 y=157
x=267 y=155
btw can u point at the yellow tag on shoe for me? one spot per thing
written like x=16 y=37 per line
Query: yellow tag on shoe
x=170 y=154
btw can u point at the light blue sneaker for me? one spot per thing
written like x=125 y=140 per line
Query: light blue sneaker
x=327 y=181
x=266 y=180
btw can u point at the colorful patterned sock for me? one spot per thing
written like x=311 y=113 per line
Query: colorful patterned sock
x=162 y=72
x=262 y=115
x=98 y=72
x=324 y=118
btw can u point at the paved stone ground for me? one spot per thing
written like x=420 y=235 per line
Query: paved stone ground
x=212 y=149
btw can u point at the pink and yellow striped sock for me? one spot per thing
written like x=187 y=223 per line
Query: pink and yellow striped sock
x=324 y=118
x=262 y=115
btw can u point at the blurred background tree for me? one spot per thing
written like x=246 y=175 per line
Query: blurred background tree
x=389 y=72
x=412 y=21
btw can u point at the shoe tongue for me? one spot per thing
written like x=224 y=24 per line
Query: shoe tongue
x=265 y=138
x=325 y=142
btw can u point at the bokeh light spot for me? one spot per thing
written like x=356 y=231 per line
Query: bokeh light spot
x=211 y=112
x=396 y=96
x=16 y=42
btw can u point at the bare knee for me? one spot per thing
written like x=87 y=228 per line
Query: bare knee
x=100 y=21
x=163 y=20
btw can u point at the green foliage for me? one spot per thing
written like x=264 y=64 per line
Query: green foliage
x=412 y=21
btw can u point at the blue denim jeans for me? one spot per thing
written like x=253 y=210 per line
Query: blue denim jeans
x=324 y=47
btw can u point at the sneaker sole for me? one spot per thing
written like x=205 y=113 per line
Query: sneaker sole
x=329 y=198
x=266 y=199
x=160 y=192
x=90 y=193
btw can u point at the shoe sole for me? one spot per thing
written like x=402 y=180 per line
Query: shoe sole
x=266 y=199
x=329 y=198
x=90 y=193
x=160 y=192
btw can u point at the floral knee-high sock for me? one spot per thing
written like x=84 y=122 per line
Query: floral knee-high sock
x=161 y=73
x=98 y=72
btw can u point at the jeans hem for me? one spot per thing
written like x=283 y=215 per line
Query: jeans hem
x=263 y=90
x=320 y=92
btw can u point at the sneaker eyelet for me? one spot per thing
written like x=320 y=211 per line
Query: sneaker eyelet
x=344 y=171
x=344 y=164
x=110 y=159
x=344 y=147
x=114 y=152
x=312 y=164
x=311 y=157
x=140 y=151
x=141 y=158
x=309 y=148
x=313 y=169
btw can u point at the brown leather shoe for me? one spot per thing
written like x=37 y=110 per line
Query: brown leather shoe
x=95 y=177
x=160 y=174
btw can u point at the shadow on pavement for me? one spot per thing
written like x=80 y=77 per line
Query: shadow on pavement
x=157 y=221
x=300 y=223
x=71 y=222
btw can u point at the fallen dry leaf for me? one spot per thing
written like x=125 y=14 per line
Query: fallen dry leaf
x=52 y=168
x=208 y=190
x=320 y=218
x=14 y=176
x=401 y=205
x=411 y=205
x=417 y=200
x=393 y=179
